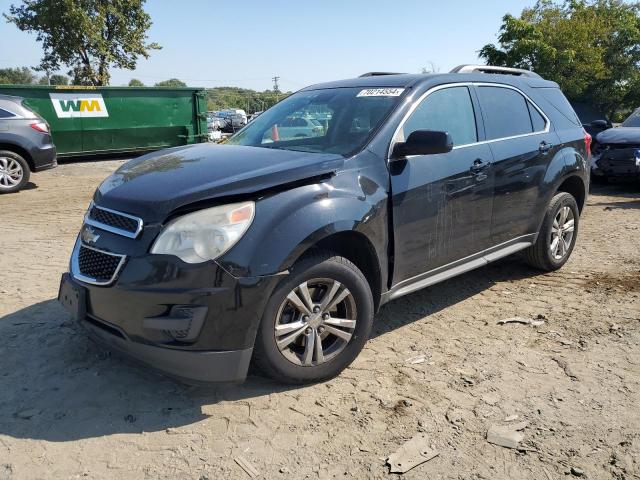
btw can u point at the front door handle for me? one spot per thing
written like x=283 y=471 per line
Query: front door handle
x=478 y=166
x=478 y=170
x=545 y=147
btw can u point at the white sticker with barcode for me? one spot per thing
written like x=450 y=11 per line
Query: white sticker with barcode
x=381 y=92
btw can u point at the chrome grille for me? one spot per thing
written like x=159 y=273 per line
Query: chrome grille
x=113 y=221
x=95 y=266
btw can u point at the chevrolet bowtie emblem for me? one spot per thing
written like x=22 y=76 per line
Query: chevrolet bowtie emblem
x=89 y=235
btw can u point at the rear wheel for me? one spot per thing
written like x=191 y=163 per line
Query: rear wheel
x=558 y=234
x=14 y=172
x=316 y=322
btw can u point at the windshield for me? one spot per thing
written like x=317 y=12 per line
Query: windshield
x=633 y=120
x=337 y=120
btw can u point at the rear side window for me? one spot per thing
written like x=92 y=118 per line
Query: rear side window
x=538 y=121
x=505 y=112
x=5 y=114
x=557 y=99
x=448 y=110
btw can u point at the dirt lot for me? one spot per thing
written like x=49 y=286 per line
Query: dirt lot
x=438 y=363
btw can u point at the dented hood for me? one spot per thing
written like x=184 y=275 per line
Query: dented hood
x=154 y=185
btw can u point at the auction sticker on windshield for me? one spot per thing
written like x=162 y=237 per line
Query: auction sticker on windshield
x=380 y=92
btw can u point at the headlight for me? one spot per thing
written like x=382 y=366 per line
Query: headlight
x=205 y=234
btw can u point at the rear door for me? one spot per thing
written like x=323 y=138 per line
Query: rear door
x=522 y=144
x=441 y=203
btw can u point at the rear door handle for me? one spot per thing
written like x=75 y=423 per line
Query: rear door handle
x=545 y=147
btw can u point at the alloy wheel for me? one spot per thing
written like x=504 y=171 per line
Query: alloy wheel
x=562 y=233
x=11 y=172
x=315 y=322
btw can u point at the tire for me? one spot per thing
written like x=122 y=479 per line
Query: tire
x=299 y=362
x=541 y=254
x=14 y=172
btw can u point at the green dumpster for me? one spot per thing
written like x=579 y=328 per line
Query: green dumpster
x=92 y=120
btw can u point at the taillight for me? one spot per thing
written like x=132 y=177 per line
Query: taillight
x=587 y=142
x=40 y=127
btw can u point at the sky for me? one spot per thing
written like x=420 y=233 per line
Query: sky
x=246 y=42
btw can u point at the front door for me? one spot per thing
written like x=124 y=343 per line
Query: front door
x=441 y=203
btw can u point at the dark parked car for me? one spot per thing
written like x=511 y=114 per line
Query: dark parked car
x=616 y=151
x=25 y=144
x=198 y=260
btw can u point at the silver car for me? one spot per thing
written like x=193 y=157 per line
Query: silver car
x=25 y=144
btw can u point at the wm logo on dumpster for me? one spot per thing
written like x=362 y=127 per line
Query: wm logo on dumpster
x=73 y=105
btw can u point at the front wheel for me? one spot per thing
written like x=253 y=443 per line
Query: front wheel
x=557 y=235
x=316 y=322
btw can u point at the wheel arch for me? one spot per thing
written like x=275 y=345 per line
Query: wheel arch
x=574 y=185
x=17 y=149
x=358 y=249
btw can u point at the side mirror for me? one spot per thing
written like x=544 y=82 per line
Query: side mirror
x=423 y=142
x=600 y=124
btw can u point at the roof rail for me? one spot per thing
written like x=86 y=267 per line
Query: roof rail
x=519 y=72
x=378 y=74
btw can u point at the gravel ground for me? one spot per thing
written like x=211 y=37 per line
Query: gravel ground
x=438 y=364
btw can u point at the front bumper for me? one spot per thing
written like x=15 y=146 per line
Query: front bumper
x=188 y=366
x=136 y=315
x=618 y=163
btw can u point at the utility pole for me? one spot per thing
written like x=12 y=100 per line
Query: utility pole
x=275 y=86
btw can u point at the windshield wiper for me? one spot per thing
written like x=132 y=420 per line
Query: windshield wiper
x=268 y=145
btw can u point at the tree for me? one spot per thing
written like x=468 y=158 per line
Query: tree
x=591 y=48
x=219 y=98
x=17 y=76
x=88 y=36
x=172 y=82
x=134 y=82
x=55 y=79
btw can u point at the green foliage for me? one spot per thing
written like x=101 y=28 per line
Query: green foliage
x=134 y=82
x=172 y=82
x=250 y=101
x=57 y=79
x=17 y=76
x=25 y=76
x=88 y=36
x=591 y=48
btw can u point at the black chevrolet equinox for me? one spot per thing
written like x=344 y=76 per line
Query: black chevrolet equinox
x=279 y=247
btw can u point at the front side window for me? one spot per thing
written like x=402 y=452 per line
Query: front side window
x=447 y=110
x=505 y=112
x=335 y=120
